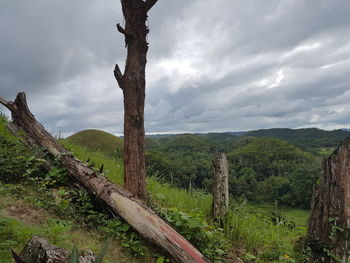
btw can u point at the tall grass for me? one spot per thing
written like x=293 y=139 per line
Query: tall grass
x=253 y=228
x=113 y=168
x=162 y=193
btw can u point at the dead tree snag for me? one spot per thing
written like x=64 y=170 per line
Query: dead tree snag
x=329 y=222
x=133 y=84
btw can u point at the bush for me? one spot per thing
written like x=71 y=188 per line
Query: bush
x=207 y=239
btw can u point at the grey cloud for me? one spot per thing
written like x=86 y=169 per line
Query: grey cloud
x=212 y=65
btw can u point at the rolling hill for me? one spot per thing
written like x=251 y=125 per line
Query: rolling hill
x=96 y=140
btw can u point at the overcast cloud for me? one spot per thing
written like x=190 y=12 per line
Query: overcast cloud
x=214 y=65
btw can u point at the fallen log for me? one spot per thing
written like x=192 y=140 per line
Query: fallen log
x=116 y=198
x=38 y=250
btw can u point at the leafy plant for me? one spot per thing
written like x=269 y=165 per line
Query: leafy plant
x=57 y=229
x=208 y=239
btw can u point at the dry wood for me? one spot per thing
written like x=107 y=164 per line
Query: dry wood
x=220 y=186
x=119 y=200
x=329 y=222
x=38 y=250
x=133 y=84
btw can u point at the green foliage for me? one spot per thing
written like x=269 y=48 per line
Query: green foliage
x=86 y=212
x=15 y=234
x=308 y=139
x=57 y=229
x=16 y=160
x=74 y=256
x=268 y=169
x=208 y=239
x=102 y=252
x=183 y=160
x=113 y=166
x=261 y=233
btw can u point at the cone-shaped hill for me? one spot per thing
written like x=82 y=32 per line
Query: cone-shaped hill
x=96 y=140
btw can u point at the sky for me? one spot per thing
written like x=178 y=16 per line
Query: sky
x=213 y=65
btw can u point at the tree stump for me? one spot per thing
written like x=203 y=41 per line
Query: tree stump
x=220 y=187
x=38 y=250
x=329 y=222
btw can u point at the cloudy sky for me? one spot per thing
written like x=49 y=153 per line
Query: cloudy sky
x=213 y=65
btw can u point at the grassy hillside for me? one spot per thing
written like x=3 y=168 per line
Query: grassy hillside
x=96 y=140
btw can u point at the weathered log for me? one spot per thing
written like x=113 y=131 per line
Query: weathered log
x=329 y=223
x=116 y=198
x=38 y=250
x=220 y=187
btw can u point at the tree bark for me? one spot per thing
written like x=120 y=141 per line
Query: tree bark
x=119 y=200
x=133 y=84
x=220 y=187
x=329 y=222
x=38 y=250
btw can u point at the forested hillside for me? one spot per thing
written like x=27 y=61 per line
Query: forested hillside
x=261 y=169
x=265 y=165
x=310 y=139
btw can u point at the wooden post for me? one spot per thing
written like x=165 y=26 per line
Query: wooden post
x=220 y=186
x=329 y=223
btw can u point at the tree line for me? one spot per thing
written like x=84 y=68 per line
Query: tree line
x=261 y=169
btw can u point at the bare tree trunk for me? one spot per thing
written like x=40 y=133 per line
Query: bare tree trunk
x=220 y=186
x=329 y=222
x=133 y=83
x=38 y=250
x=119 y=200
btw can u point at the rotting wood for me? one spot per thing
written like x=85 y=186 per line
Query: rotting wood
x=329 y=222
x=38 y=250
x=117 y=199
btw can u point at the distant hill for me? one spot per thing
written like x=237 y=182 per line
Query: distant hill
x=96 y=140
x=308 y=137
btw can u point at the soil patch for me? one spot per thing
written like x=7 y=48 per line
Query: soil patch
x=27 y=213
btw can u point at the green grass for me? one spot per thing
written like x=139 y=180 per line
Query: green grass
x=161 y=193
x=96 y=140
x=326 y=151
x=297 y=215
x=247 y=225
x=194 y=201
x=113 y=168
x=251 y=227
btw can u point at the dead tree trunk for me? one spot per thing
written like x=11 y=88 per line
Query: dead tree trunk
x=220 y=187
x=117 y=199
x=133 y=83
x=38 y=250
x=329 y=222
